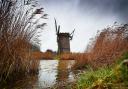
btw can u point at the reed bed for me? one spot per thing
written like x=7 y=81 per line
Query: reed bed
x=108 y=46
x=48 y=55
x=42 y=55
x=17 y=32
x=67 y=56
x=104 y=49
x=80 y=58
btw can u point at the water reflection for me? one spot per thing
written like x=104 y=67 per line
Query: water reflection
x=47 y=73
x=55 y=71
x=64 y=71
x=51 y=73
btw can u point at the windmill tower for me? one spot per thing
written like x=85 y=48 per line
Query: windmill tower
x=63 y=39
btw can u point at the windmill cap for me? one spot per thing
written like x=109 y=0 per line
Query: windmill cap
x=64 y=34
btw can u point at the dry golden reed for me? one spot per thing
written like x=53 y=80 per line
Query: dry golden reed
x=104 y=49
x=17 y=33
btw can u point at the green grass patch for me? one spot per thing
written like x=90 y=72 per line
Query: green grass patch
x=95 y=78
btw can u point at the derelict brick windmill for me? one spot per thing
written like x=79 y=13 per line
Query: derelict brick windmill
x=63 y=39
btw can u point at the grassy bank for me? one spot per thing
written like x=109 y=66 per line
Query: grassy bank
x=114 y=77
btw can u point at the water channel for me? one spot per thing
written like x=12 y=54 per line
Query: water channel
x=51 y=73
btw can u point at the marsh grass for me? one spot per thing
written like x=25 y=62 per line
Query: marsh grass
x=104 y=49
x=80 y=59
x=94 y=78
x=108 y=46
x=17 y=33
x=42 y=55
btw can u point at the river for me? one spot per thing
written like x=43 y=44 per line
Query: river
x=51 y=73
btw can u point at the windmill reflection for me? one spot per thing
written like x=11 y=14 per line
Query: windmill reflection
x=64 y=70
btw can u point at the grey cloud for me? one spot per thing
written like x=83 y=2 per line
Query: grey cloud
x=87 y=16
x=119 y=7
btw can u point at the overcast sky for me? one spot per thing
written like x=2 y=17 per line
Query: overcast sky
x=86 y=16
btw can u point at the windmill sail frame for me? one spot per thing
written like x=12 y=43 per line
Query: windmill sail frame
x=63 y=39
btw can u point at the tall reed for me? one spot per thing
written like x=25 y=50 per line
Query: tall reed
x=18 y=30
x=108 y=45
x=104 y=49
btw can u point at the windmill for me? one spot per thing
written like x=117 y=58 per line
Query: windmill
x=63 y=39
